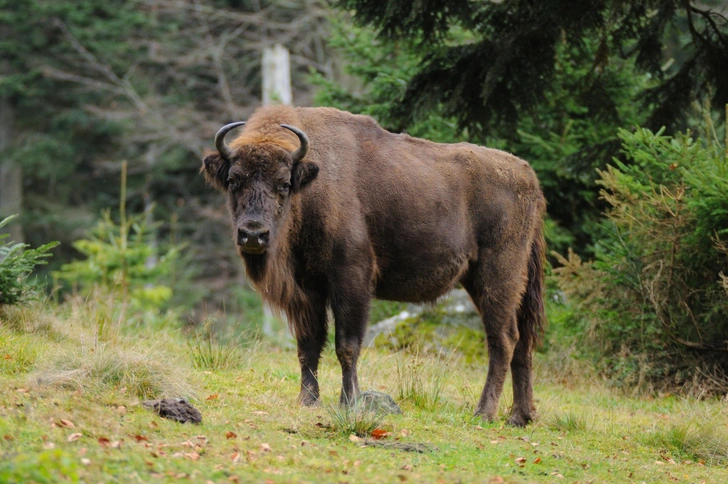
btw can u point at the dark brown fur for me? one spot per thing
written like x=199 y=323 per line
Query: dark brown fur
x=375 y=214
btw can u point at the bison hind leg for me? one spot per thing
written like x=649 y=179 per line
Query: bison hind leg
x=496 y=284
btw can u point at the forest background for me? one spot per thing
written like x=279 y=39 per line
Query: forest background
x=619 y=106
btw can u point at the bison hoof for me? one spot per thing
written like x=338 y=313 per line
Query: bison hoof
x=308 y=400
x=519 y=420
x=487 y=417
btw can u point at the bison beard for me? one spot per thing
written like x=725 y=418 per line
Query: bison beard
x=329 y=210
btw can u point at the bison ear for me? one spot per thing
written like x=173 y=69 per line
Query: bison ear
x=216 y=168
x=302 y=174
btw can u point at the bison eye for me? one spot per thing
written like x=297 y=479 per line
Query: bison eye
x=232 y=184
x=285 y=187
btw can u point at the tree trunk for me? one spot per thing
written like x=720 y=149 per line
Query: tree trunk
x=277 y=75
x=11 y=175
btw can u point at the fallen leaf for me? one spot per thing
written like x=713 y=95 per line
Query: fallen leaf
x=49 y=445
x=66 y=423
x=74 y=436
x=192 y=456
x=8 y=357
x=85 y=461
x=259 y=412
x=104 y=442
x=265 y=447
x=520 y=460
x=496 y=480
x=212 y=397
x=406 y=467
x=235 y=457
x=333 y=453
x=8 y=437
x=140 y=437
x=231 y=435
x=537 y=460
x=404 y=432
x=354 y=438
x=379 y=434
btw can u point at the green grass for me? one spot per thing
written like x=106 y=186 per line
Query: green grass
x=357 y=419
x=253 y=430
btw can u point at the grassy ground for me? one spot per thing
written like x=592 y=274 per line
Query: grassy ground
x=70 y=411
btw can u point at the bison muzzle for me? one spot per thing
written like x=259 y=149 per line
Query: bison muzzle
x=329 y=210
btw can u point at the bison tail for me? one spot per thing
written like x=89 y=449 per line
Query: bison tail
x=531 y=314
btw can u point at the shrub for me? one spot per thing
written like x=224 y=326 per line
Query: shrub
x=17 y=261
x=654 y=303
x=124 y=260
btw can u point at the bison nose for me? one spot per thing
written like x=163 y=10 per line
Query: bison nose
x=253 y=238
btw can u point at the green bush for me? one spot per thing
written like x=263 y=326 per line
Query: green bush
x=17 y=261
x=654 y=302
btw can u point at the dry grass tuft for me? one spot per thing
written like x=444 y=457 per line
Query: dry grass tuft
x=144 y=372
x=698 y=441
x=31 y=318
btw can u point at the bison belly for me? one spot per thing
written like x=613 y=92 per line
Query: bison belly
x=419 y=273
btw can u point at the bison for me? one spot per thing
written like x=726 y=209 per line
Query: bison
x=330 y=210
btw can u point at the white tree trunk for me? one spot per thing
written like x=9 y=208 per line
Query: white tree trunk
x=277 y=75
x=11 y=175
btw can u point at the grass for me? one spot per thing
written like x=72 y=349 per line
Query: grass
x=210 y=351
x=357 y=419
x=253 y=431
x=421 y=380
x=568 y=422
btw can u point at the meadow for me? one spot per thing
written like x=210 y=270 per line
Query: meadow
x=70 y=411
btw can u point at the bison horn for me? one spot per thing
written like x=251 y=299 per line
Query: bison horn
x=303 y=149
x=220 y=144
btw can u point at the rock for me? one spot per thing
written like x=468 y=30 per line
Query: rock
x=456 y=309
x=378 y=402
x=385 y=327
x=174 y=409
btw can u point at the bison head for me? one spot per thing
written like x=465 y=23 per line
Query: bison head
x=260 y=179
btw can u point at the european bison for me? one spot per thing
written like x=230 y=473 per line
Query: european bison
x=329 y=210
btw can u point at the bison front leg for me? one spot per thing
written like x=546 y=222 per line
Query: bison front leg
x=310 y=325
x=350 y=305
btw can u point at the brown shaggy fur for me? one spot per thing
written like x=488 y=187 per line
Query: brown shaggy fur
x=368 y=213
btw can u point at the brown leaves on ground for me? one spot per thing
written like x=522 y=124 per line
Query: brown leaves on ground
x=66 y=423
x=379 y=434
x=107 y=444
